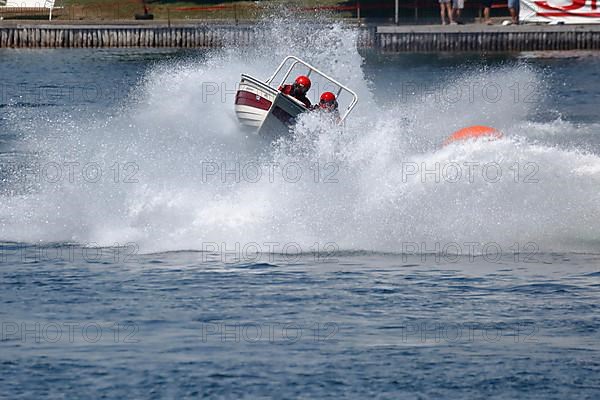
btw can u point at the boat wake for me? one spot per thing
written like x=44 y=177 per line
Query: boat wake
x=170 y=168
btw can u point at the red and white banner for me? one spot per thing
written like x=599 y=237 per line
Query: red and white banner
x=565 y=11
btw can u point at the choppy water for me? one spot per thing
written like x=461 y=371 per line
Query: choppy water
x=150 y=248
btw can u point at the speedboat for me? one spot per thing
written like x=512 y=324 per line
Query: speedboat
x=263 y=108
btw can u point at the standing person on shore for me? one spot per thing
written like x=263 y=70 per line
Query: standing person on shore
x=487 y=5
x=446 y=8
x=457 y=7
x=514 y=6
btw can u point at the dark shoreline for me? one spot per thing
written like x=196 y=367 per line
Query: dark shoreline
x=214 y=34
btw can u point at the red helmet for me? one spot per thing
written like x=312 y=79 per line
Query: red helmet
x=327 y=97
x=304 y=81
x=328 y=100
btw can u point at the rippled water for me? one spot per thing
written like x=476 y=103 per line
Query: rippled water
x=370 y=278
x=185 y=324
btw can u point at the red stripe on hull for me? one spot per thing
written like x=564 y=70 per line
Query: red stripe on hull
x=246 y=98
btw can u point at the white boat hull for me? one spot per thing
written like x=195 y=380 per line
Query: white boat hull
x=253 y=101
x=265 y=109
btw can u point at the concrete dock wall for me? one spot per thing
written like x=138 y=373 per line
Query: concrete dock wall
x=125 y=36
x=488 y=38
x=191 y=36
x=385 y=38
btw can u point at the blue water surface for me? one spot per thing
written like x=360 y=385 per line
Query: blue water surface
x=117 y=322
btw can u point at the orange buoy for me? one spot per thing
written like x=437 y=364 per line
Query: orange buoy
x=474 y=132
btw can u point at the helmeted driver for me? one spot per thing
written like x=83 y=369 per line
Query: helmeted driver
x=298 y=89
x=329 y=105
x=328 y=102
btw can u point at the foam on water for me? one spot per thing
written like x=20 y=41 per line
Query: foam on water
x=362 y=187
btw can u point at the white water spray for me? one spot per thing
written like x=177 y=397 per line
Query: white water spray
x=178 y=173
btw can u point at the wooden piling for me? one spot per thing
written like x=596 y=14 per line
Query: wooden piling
x=386 y=38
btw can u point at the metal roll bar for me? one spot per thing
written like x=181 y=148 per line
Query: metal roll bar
x=310 y=69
